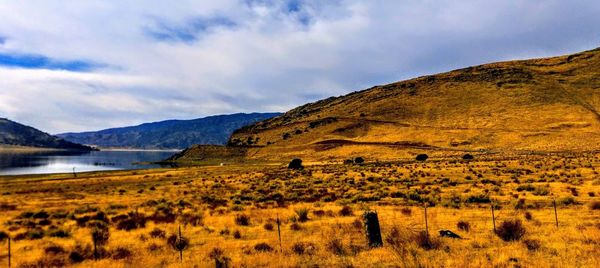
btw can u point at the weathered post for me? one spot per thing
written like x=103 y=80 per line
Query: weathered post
x=95 y=249
x=426 y=225
x=9 y=251
x=555 y=214
x=372 y=228
x=180 y=248
x=279 y=232
x=493 y=217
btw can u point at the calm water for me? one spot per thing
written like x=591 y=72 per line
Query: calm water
x=53 y=162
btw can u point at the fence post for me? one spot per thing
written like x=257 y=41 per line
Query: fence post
x=555 y=214
x=95 y=250
x=373 y=230
x=493 y=217
x=180 y=249
x=9 y=251
x=279 y=233
x=426 y=225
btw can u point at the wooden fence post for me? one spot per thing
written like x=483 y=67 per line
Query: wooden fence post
x=426 y=225
x=95 y=250
x=372 y=229
x=180 y=249
x=493 y=217
x=9 y=251
x=279 y=233
x=555 y=214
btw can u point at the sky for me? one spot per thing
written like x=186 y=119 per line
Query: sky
x=88 y=65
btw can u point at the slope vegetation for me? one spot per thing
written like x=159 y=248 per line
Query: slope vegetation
x=549 y=104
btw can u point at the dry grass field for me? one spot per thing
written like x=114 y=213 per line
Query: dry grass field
x=228 y=215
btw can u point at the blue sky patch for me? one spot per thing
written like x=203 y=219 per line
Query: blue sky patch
x=30 y=61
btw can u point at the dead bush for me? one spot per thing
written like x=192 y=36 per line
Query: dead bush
x=302 y=248
x=532 y=244
x=263 y=247
x=511 y=230
x=463 y=225
x=346 y=211
x=242 y=220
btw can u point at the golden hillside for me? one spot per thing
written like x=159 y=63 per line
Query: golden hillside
x=546 y=104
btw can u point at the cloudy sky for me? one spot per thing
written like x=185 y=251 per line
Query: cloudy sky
x=88 y=65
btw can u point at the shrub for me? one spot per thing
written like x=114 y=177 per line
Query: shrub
x=421 y=157
x=346 y=211
x=463 y=225
x=3 y=236
x=296 y=163
x=511 y=230
x=302 y=214
x=55 y=232
x=100 y=236
x=41 y=215
x=532 y=244
x=528 y=215
x=54 y=249
x=121 y=253
x=178 y=243
x=359 y=160
x=237 y=234
x=295 y=226
x=467 y=157
x=194 y=219
x=133 y=220
x=158 y=233
x=218 y=255
x=302 y=248
x=406 y=211
x=595 y=205
x=263 y=247
x=269 y=226
x=426 y=242
x=242 y=220
x=336 y=246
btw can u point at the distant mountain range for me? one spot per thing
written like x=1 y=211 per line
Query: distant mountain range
x=170 y=134
x=15 y=134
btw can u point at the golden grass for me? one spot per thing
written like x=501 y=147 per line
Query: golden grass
x=219 y=194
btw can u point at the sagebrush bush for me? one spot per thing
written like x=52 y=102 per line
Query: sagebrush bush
x=463 y=225
x=336 y=246
x=511 y=230
x=302 y=248
x=595 y=205
x=302 y=214
x=263 y=247
x=346 y=211
x=242 y=220
x=269 y=226
x=532 y=244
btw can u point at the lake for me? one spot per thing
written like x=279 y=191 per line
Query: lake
x=63 y=162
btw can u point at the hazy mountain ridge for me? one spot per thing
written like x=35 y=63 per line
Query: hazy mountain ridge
x=169 y=134
x=16 y=134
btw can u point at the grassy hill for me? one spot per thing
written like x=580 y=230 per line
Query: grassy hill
x=549 y=104
x=13 y=134
x=170 y=134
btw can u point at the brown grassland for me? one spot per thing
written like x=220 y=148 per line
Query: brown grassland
x=228 y=214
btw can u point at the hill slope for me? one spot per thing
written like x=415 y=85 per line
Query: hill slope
x=15 y=134
x=547 y=104
x=170 y=134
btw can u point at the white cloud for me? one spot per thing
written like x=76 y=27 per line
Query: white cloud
x=273 y=57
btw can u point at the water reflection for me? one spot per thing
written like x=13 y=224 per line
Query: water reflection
x=62 y=162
